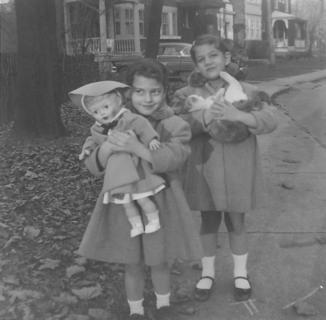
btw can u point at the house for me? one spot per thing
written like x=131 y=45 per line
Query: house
x=289 y=31
x=126 y=23
x=248 y=27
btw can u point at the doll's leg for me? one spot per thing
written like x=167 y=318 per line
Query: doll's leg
x=134 y=284
x=150 y=211
x=235 y=223
x=210 y=222
x=134 y=218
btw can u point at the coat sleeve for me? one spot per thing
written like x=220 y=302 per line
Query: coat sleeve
x=93 y=164
x=174 y=149
x=265 y=118
x=144 y=130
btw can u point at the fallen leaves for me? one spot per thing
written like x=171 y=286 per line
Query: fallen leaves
x=70 y=271
x=49 y=264
x=88 y=293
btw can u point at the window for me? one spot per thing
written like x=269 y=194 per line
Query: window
x=280 y=5
x=141 y=22
x=117 y=21
x=253 y=27
x=169 y=22
x=165 y=24
x=129 y=20
x=174 y=23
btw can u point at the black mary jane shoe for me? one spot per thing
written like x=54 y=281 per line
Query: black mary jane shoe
x=241 y=294
x=204 y=294
x=136 y=316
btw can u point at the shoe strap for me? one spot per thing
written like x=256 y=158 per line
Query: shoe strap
x=244 y=278
x=207 y=277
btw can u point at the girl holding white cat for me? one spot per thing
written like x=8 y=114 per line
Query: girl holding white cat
x=223 y=173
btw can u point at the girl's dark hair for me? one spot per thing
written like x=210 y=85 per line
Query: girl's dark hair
x=148 y=68
x=207 y=39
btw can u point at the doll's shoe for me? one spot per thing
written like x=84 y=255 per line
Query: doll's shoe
x=152 y=226
x=136 y=230
x=204 y=294
x=241 y=294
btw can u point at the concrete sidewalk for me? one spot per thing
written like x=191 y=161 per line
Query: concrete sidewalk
x=286 y=262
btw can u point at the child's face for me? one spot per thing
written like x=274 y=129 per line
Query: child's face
x=105 y=108
x=209 y=61
x=147 y=95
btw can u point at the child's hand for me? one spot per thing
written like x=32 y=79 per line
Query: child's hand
x=123 y=141
x=85 y=153
x=225 y=110
x=154 y=145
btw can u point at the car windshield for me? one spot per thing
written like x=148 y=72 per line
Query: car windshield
x=174 y=50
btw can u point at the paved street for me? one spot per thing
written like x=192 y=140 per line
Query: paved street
x=286 y=262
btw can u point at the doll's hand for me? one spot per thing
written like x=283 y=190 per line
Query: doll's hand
x=154 y=145
x=85 y=153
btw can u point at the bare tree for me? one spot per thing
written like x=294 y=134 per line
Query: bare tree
x=154 y=28
x=38 y=67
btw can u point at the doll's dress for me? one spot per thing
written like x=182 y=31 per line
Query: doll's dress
x=128 y=177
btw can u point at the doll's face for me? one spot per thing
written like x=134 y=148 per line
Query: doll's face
x=104 y=108
x=147 y=95
x=209 y=61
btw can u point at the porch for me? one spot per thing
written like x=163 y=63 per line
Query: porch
x=93 y=46
x=102 y=27
x=290 y=34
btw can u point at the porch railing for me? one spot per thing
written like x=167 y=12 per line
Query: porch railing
x=93 y=45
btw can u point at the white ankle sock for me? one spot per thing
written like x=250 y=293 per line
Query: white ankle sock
x=136 y=221
x=208 y=264
x=136 y=307
x=152 y=216
x=162 y=300
x=240 y=270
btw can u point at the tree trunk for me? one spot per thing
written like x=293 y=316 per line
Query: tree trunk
x=154 y=27
x=38 y=66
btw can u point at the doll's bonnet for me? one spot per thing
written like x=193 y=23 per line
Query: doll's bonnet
x=94 y=89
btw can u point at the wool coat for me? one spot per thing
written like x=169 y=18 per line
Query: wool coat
x=223 y=176
x=107 y=236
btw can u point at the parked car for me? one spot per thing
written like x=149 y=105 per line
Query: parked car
x=174 y=55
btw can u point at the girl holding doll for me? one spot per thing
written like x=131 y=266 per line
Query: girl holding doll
x=107 y=235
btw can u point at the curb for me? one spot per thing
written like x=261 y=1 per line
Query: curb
x=286 y=84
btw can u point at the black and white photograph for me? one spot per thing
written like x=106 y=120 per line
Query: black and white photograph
x=162 y=159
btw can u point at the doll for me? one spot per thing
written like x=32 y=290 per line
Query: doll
x=127 y=179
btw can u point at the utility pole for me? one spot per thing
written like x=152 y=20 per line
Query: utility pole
x=270 y=37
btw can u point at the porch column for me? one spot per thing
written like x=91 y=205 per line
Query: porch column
x=136 y=29
x=67 y=27
x=103 y=33
x=103 y=57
